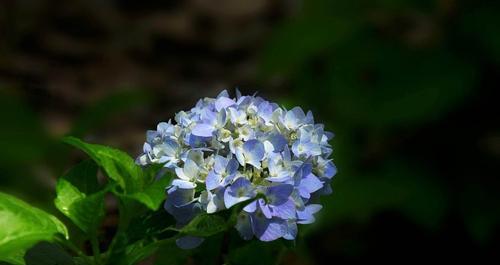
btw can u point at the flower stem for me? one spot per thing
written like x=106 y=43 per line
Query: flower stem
x=95 y=250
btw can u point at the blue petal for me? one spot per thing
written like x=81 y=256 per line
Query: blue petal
x=264 y=208
x=310 y=183
x=291 y=230
x=279 y=194
x=182 y=214
x=232 y=166
x=238 y=192
x=189 y=242
x=267 y=230
x=183 y=184
x=265 y=111
x=294 y=117
x=306 y=216
x=170 y=147
x=213 y=180
x=251 y=207
x=203 y=130
x=330 y=170
x=286 y=210
x=278 y=141
x=223 y=102
x=220 y=164
x=244 y=226
x=254 y=152
x=180 y=197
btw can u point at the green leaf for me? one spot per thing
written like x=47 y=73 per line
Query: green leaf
x=85 y=210
x=141 y=250
x=22 y=226
x=205 y=225
x=47 y=254
x=84 y=177
x=154 y=194
x=137 y=184
x=119 y=166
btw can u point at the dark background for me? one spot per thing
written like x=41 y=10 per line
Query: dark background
x=409 y=87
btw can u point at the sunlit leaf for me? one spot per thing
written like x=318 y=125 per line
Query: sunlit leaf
x=119 y=166
x=22 y=226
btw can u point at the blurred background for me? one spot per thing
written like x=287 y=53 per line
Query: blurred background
x=408 y=86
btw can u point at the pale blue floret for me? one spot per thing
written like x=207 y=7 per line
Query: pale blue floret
x=252 y=153
x=247 y=151
x=223 y=172
x=239 y=191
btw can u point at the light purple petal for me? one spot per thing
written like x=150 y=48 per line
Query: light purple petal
x=220 y=164
x=311 y=183
x=182 y=184
x=254 y=152
x=239 y=191
x=285 y=210
x=291 y=230
x=180 y=197
x=279 y=194
x=223 y=102
x=203 y=130
x=267 y=230
x=213 y=180
x=232 y=166
x=251 y=207
x=330 y=170
x=266 y=211
x=182 y=214
x=278 y=141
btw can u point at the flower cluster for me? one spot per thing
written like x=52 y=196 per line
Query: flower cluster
x=226 y=151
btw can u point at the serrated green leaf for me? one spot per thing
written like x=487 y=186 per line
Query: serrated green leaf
x=22 y=226
x=205 y=225
x=119 y=166
x=47 y=254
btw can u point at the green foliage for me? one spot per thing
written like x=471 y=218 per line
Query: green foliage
x=23 y=226
x=79 y=199
x=121 y=168
x=118 y=165
x=45 y=253
x=205 y=225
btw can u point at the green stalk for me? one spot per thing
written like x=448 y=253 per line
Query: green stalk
x=95 y=250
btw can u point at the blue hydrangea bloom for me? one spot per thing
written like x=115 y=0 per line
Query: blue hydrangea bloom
x=245 y=150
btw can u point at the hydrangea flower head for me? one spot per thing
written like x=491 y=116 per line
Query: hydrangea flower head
x=245 y=150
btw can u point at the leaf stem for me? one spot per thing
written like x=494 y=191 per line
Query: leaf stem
x=95 y=249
